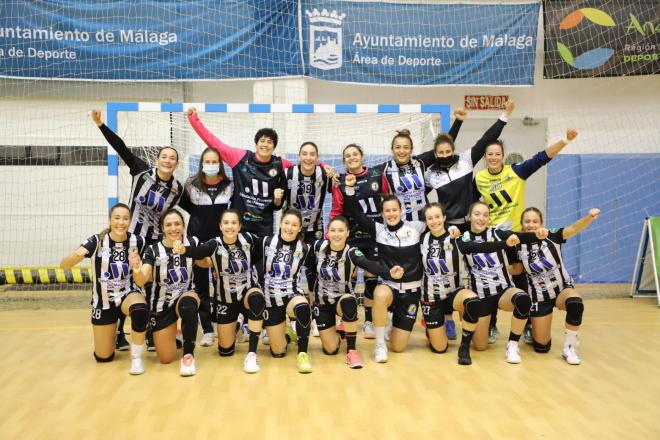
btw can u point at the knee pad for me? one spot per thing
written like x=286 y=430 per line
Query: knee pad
x=139 y=313
x=542 y=348
x=370 y=285
x=256 y=306
x=277 y=355
x=348 y=308
x=472 y=309
x=187 y=307
x=522 y=303
x=331 y=353
x=104 y=360
x=574 y=310
x=303 y=316
x=433 y=350
x=227 y=351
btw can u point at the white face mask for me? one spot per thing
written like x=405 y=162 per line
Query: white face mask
x=211 y=170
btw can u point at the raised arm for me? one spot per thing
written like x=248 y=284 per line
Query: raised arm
x=230 y=155
x=581 y=224
x=492 y=134
x=555 y=148
x=135 y=164
x=143 y=268
x=428 y=157
x=530 y=166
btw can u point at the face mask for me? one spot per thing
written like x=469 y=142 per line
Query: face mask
x=446 y=162
x=211 y=170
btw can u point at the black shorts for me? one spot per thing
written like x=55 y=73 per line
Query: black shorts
x=368 y=247
x=434 y=314
x=276 y=315
x=325 y=315
x=404 y=308
x=542 y=308
x=110 y=315
x=164 y=319
x=490 y=304
x=226 y=313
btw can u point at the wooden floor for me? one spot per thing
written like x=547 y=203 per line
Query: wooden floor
x=52 y=388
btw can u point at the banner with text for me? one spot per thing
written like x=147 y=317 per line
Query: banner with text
x=420 y=44
x=601 y=38
x=149 y=40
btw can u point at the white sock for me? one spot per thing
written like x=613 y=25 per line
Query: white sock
x=136 y=350
x=380 y=335
x=571 y=338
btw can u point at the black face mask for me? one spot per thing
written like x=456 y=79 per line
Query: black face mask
x=446 y=162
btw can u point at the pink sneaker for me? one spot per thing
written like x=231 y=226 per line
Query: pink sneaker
x=353 y=359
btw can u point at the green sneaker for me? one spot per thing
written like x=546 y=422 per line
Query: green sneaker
x=493 y=333
x=303 y=364
x=291 y=335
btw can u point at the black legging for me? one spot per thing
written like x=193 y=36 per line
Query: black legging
x=201 y=277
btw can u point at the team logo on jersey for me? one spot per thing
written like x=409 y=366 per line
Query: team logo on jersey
x=325 y=39
x=318 y=234
x=412 y=309
x=272 y=172
x=374 y=186
x=359 y=253
x=247 y=216
x=448 y=247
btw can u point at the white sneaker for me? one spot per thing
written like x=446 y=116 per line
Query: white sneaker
x=388 y=327
x=264 y=337
x=570 y=355
x=207 y=340
x=250 y=364
x=512 y=352
x=187 y=366
x=368 y=330
x=380 y=353
x=314 y=331
x=243 y=334
x=137 y=366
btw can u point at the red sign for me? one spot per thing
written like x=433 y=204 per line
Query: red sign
x=485 y=102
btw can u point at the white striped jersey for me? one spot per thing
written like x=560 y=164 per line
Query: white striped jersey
x=172 y=274
x=488 y=273
x=442 y=262
x=111 y=273
x=407 y=182
x=150 y=197
x=544 y=266
x=307 y=194
x=335 y=270
x=232 y=264
x=280 y=268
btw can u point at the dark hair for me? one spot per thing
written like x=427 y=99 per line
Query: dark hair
x=444 y=138
x=532 y=209
x=294 y=212
x=478 y=202
x=340 y=219
x=198 y=178
x=232 y=211
x=161 y=149
x=389 y=198
x=266 y=132
x=308 y=143
x=356 y=146
x=168 y=212
x=405 y=133
x=499 y=142
x=433 y=205
x=107 y=230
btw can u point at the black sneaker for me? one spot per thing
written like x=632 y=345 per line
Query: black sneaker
x=464 y=355
x=150 y=342
x=121 y=343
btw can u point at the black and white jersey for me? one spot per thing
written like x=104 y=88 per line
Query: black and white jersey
x=307 y=194
x=280 y=268
x=453 y=186
x=488 y=273
x=407 y=182
x=442 y=266
x=232 y=264
x=254 y=187
x=172 y=274
x=544 y=266
x=112 y=276
x=335 y=270
x=205 y=204
x=150 y=195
